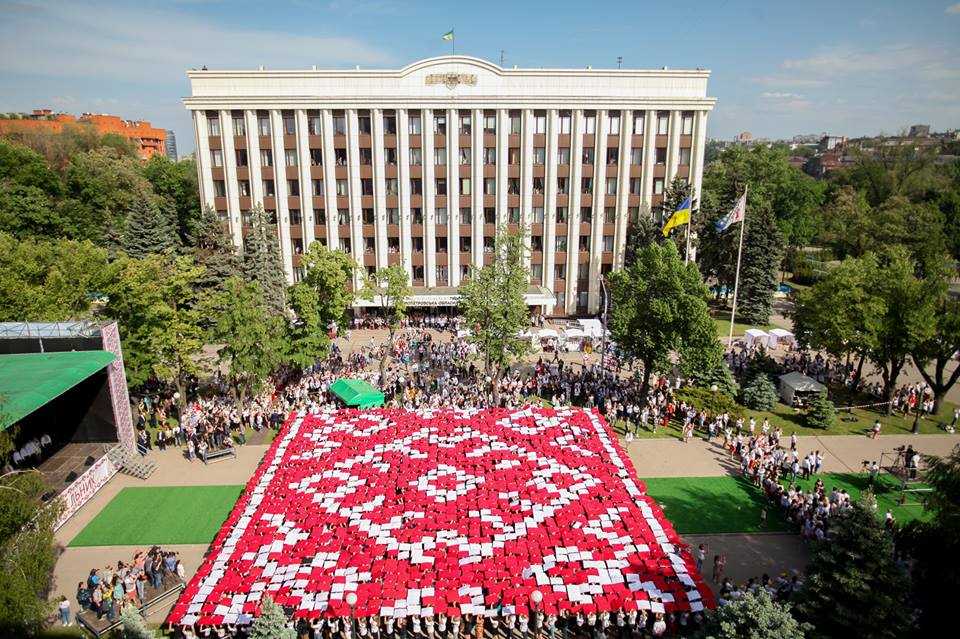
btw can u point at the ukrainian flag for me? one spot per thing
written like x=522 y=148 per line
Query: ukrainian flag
x=448 y=35
x=680 y=217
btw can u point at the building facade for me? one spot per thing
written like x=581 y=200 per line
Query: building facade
x=147 y=139
x=420 y=166
x=172 y=146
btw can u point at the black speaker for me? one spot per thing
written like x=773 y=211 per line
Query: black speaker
x=89 y=461
x=72 y=477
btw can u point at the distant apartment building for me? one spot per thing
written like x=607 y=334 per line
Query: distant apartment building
x=919 y=131
x=149 y=140
x=419 y=166
x=172 y=146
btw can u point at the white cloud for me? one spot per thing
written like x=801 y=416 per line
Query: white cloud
x=843 y=61
x=953 y=10
x=780 y=95
x=781 y=81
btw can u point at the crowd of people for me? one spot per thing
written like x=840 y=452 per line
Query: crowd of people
x=109 y=590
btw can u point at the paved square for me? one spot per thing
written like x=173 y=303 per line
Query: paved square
x=454 y=512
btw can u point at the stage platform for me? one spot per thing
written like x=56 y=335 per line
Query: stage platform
x=171 y=587
x=72 y=458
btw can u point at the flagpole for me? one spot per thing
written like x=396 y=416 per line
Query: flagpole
x=453 y=41
x=686 y=255
x=736 y=284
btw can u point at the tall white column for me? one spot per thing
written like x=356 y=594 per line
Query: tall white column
x=330 y=180
x=379 y=187
x=550 y=203
x=280 y=184
x=306 y=181
x=649 y=159
x=230 y=176
x=453 y=197
x=403 y=182
x=673 y=147
x=599 y=197
x=623 y=189
x=429 y=203
x=526 y=179
x=253 y=157
x=697 y=151
x=204 y=159
x=503 y=162
x=353 y=170
x=477 y=171
x=573 y=222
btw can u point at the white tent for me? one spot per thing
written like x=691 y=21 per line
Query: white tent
x=592 y=327
x=548 y=333
x=795 y=387
x=754 y=334
x=778 y=335
x=463 y=332
x=574 y=333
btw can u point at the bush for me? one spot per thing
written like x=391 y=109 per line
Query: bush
x=760 y=393
x=704 y=398
x=723 y=378
x=821 y=413
x=134 y=627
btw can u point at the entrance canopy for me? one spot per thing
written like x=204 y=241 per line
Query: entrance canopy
x=354 y=392
x=30 y=380
x=443 y=296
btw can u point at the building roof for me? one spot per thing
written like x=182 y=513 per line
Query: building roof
x=800 y=382
x=30 y=380
x=355 y=392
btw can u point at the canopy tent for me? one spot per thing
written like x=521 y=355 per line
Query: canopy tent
x=546 y=333
x=30 y=380
x=796 y=387
x=592 y=327
x=574 y=333
x=778 y=335
x=355 y=392
x=752 y=335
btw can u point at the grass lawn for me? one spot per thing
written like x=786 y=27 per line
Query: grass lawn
x=722 y=319
x=162 y=515
x=704 y=505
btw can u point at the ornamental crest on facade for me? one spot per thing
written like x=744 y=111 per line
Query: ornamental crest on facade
x=452 y=80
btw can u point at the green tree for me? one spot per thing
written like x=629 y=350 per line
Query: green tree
x=271 y=623
x=391 y=286
x=759 y=393
x=213 y=249
x=134 y=626
x=641 y=231
x=938 y=347
x=176 y=183
x=854 y=587
x=155 y=302
x=722 y=377
x=760 y=266
x=150 y=229
x=659 y=306
x=493 y=307
x=933 y=544
x=27 y=552
x=28 y=194
x=753 y=617
x=48 y=280
x=252 y=339
x=262 y=263
x=821 y=413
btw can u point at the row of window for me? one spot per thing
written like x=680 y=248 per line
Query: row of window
x=464 y=123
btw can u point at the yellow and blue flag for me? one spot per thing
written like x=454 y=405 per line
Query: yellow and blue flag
x=448 y=35
x=680 y=217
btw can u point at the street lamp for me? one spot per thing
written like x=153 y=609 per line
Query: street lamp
x=351 y=600
x=536 y=597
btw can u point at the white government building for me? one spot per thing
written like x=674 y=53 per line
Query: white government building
x=420 y=165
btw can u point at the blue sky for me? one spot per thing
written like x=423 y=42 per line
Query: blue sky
x=845 y=67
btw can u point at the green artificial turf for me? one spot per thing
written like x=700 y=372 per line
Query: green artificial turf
x=163 y=515
x=705 y=505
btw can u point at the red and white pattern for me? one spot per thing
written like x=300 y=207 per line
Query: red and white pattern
x=454 y=512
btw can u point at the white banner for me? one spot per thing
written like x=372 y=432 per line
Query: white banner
x=86 y=486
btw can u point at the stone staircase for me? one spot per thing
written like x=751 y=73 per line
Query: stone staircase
x=131 y=463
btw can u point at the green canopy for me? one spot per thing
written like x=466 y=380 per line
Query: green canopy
x=354 y=392
x=30 y=380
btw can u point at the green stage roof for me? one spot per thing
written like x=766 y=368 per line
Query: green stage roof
x=354 y=392
x=30 y=380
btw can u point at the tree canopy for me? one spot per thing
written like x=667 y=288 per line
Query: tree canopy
x=262 y=262
x=755 y=616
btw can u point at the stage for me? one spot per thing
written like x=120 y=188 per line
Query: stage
x=70 y=460
x=428 y=513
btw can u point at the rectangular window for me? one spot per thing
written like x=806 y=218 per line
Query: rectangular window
x=441 y=186
x=563 y=156
x=340 y=155
x=536 y=243
x=589 y=123
x=636 y=156
x=513 y=186
x=345 y=221
x=244 y=188
x=539 y=155
x=565 y=119
x=466 y=216
x=684 y=157
x=489 y=122
x=443 y=218
x=216 y=157
x=291 y=157
x=609 y=214
x=489 y=155
x=440 y=157
x=489 y=186
x=416 y=214
x=687 y=125
x=266 y=157
x=318 y=188
x=442 y=273
x=363 y=124
x=559 y=271
x=440 y=124
x=293 y=188
x=313 y=123
x=393 y=216
x=515 y=123
x=514 y=214
x=289 y=124
x=586 y=215
x=416 y=186
x=513 y=156
x=241 y=157
x=563 y=185
x=563 y=214
x=342 y=187
x=263 y=124
x=538 y=186
x=239 y=127
x=465 y=125
x=465 y=186
x=414 y=125
x=465 y=157
x=613 y=123
x=316 y=157
x=539 y=123
x=586 y=185
x=658 y=186
x=219 y=188
x=588 y=155
x=538 y=215
x=613 y=156
x=562 y=244
x=366 y=186
x=638 y=123
x=392 y=186
x=268 y=189
x=418 y=273
x=321 y=219
x=536 y=272
x=583 y=269
x=367 y=216
x=390 y=125
x=582 y=298
x=296 y=219
x=390 y=156
x=366 y=156
x=339 y=125
x=662 y=155
x=213 y=125
x=611 y=186
x=635 y=186
x=465 y=245
x=663 y=122
x=607 y=243
x=561 y=299
x=416 y=156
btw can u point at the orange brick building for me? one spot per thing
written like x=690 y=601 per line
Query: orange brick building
x=149 y=140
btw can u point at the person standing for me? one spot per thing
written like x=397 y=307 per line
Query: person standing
x=701 y=556
x=64 y=610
